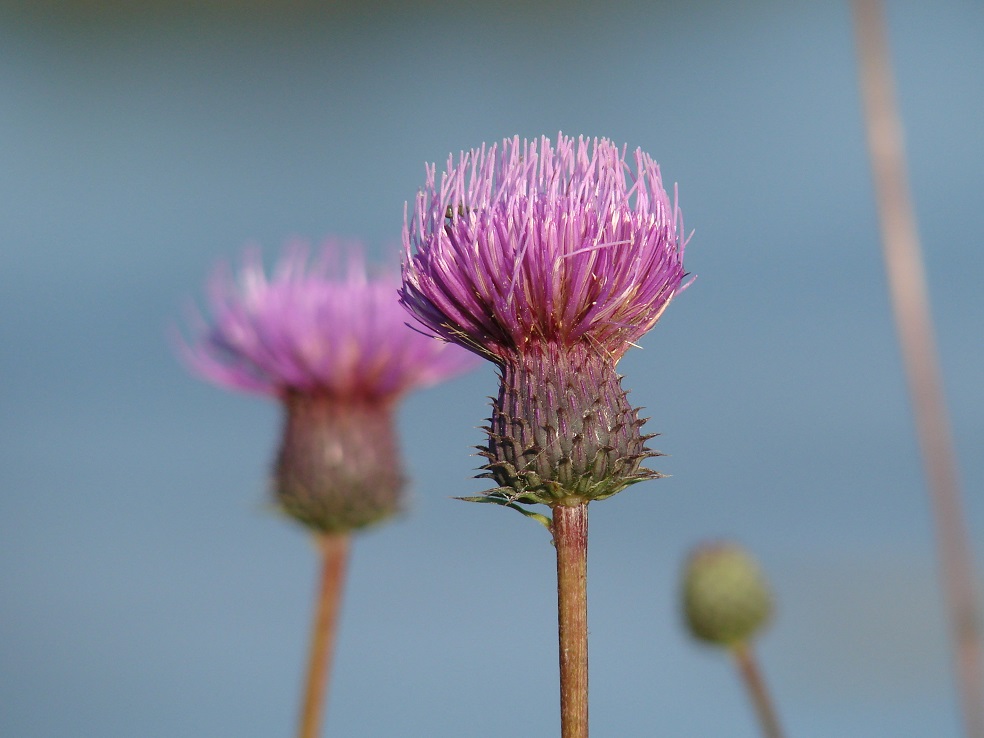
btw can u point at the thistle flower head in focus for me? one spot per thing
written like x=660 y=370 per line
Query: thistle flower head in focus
x=521 y=245
x=333 y=346
x=550 y=260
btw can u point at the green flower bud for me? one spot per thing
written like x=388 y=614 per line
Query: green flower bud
x=725 y=596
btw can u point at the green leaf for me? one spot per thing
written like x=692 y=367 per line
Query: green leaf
x=498 y=498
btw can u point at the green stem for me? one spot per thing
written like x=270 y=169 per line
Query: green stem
x=570 y=535
x=334 y=557
x=750 y=674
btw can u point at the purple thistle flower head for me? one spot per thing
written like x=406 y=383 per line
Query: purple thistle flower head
x=549 y=260
x=312 y=329
x=527 y=244
x=336 y=350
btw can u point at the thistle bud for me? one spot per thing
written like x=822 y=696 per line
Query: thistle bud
x=725 y=596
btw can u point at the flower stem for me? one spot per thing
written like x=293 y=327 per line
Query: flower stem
x=910 y=304
x=334 y=550
x=570 y=535
x=750 y=674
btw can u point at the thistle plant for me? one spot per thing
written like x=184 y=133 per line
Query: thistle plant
x=550 y=260
x=726 y=602
x=335 y=350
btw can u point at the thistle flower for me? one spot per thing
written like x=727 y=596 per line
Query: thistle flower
x=336 y=351
x=550 y=261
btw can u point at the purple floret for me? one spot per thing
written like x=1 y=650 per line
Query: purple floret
x=311 y=329
x=524 y=244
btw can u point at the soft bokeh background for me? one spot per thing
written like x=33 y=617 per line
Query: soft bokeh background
x=145 y=589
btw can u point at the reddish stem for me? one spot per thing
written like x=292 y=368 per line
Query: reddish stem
x=570 y=535
x=334 y=557
x=910 y=303
x=757 y=691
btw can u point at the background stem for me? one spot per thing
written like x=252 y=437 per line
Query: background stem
x=757 y=691
x=334 y=551
x=910 y=303
x=570 y=534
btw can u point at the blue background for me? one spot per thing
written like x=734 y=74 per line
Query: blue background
x=146 y=589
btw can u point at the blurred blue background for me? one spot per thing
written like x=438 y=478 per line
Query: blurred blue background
x=146 y=590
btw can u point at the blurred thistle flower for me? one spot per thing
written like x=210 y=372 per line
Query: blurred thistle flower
x=550 y=262
x=726 y=599
x=336 y=351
